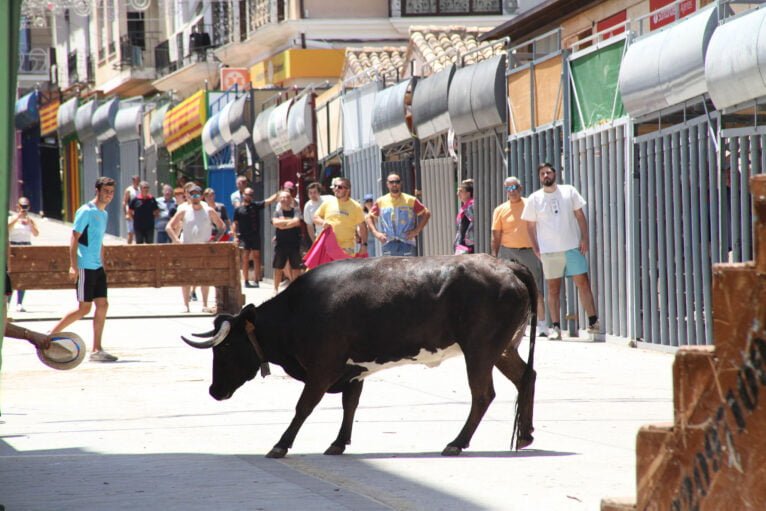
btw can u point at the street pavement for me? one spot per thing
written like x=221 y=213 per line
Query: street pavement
x=143 y=433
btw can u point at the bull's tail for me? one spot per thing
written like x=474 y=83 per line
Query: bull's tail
x=522 y=436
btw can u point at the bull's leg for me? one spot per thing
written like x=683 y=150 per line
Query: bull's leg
x=514 y=368
x=482 y=394
x=310 y=397
x=350 y=401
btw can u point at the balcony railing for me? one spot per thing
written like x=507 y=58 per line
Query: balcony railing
x=36 y=61
x=451 y=7
x=196 y=49
x=136 y=50
x=262 y=12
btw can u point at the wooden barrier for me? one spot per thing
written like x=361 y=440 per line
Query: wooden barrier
x=713 y=455
x=164 y=265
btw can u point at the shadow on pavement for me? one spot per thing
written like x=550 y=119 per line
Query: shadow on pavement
x=84 y=480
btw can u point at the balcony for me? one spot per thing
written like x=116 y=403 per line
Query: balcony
x=259 y=32
x=135 y=65
x=34 y=67
x=193 y=62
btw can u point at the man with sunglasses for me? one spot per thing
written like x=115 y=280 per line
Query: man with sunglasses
x=345 y=216
x=402 y=218
x=510 y=240
x=193 y=223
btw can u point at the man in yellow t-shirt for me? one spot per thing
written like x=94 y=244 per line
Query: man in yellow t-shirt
x=510 y=240
x=344 y=215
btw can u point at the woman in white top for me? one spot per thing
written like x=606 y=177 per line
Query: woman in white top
x=21 y=228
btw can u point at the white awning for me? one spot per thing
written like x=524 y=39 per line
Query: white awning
x=667 y=67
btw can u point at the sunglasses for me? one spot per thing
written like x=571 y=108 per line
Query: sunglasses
x=24 y=206
x=394 y=181
x=341 y=187
x=512 y=188
x=195 y=195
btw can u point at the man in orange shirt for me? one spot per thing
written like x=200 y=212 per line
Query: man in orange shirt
x=510 y=240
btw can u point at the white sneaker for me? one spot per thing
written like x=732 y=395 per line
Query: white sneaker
x=20 y=308
x=594 y=328
x=554 y=333
x=542 y=329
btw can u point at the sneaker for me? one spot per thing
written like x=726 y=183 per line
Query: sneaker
x=594 y=328
x=20 y=308
x=194 y=296
x=255 y=284
x=248 y=284
x=102 y=356
x=554 y=333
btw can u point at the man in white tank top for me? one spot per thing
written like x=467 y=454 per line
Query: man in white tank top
x=193 y=223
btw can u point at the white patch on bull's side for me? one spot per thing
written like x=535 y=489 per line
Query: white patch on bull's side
x=425 y=357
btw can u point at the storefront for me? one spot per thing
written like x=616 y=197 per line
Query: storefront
x=70 y=157
x=27 y=121
x=108 y=147
x=477 y=112
x=430 y=115
x=89 y=159
x=182 y=131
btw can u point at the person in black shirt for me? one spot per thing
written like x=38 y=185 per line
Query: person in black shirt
x=287 y=222
x=246 y=228
x=143 y=210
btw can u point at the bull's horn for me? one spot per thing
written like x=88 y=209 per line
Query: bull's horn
x=209 y=343
x=222 y=333
x=206 y=334
x=197 y=344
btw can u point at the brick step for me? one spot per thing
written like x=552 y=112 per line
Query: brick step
x=713 y=455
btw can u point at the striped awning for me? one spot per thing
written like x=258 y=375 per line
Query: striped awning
x=49 y=118
x=184 y=123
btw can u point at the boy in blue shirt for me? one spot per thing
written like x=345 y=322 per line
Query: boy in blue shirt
x=86 y=269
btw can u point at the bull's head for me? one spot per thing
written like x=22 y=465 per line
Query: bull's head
x=235 y=360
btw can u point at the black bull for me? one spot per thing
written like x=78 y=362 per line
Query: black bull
x=327 y=330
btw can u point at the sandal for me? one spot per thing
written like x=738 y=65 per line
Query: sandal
x=208 y=310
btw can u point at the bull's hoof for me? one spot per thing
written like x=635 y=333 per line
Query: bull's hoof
x=452 y=450
x=335 y=450
x=523 y=442
x=277 y=452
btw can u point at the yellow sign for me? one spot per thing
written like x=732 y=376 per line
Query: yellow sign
x=298 y=63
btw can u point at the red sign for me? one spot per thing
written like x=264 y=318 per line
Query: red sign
x=238 y=76
x=612 y=21
x=661 y=17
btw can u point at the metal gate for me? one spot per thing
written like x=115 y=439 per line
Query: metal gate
x=483 y=160
x=530 y=149
x=438 y=182
x=678 y=209
x=269 y=183
x=744 y=156
x=600 y=173
x=362 y=167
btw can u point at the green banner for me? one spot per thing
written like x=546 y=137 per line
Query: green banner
x=595 y=94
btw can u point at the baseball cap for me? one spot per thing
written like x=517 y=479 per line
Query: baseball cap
x=368 y=196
